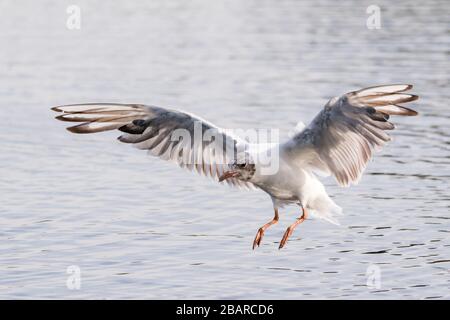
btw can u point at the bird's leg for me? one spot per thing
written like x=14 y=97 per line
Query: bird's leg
x=260 y=233
x=291 y=228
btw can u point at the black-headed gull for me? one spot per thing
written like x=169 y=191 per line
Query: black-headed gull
x=339 y=141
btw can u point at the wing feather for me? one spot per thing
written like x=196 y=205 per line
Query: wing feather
x=153 y=128
x=343 y=136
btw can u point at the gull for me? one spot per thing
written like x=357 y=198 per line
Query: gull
x=339 y=142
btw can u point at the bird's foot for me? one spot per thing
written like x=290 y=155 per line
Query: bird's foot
x=258 y=238
x=286 y=236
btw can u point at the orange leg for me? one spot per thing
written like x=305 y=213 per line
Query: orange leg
x=291 y=228
x=260 y=233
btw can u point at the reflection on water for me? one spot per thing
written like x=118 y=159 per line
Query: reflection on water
x=139 y=228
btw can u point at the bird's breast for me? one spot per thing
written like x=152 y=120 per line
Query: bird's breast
x=284 y=184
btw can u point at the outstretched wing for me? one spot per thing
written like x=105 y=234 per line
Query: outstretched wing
x=342 y=137
x=173 y=135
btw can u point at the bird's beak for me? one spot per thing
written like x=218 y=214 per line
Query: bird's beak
x=228 y=174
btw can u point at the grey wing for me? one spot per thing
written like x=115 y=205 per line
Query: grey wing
x=173 y=135
x=343 y=136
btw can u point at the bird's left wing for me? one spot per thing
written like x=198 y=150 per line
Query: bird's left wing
x=172 y=135
x=342 y=137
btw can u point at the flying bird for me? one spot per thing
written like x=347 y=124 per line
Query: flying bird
x=339 y=141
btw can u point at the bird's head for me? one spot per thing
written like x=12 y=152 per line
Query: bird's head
x=243 y=170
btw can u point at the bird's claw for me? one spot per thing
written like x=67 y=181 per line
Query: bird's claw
x=258 y=238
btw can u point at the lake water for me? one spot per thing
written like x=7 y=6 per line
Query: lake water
x=137 y=227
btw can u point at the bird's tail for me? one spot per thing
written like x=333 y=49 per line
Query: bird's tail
x=98 y=117
x=325 y=208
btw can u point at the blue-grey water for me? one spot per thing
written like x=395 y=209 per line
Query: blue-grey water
x=137 y=227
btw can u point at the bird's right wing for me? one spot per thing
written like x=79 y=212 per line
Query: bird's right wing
x=188 y=140
x=342 y=137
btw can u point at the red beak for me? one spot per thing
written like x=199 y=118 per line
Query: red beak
x=228 y=174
